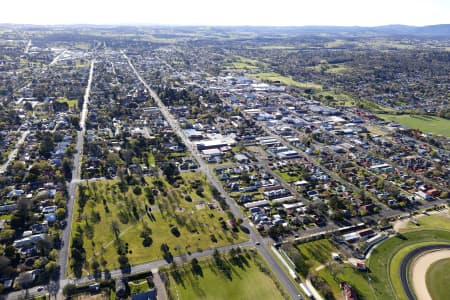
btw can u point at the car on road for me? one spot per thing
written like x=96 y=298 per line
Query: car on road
x=40 y=288
x=257 y=243
x=63 y=223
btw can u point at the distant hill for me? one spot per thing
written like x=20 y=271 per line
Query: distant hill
x=442 y=30
x=431 y=30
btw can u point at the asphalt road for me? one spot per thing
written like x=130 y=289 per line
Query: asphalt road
x=254 y=235
x=72 y=186
x=55 y=60
x=13 y=153
x=407 y=260
x=149 y=266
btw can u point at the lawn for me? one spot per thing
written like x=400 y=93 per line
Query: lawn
x=382 y=257
x=337 y=69
x=275 y=77
x=114 y=219
x=437 y=278
x=289 y=176
x=138 y=286
x=358 y=280
x=247 y=60
x=242 y=65
x=246 y=282
x=317 y=252
x=241 y=62
x=438 y=222
x=330 y=68
x=277 y=47
x=340 y=99
x=429 y=124
x=151 y=159
x=71 y=103
x=338 y=43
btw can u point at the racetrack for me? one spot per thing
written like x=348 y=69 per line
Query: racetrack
x=419 y=270
x=406 y=262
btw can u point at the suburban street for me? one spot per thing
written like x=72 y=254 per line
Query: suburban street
x=263 y=248
x=72 y=186
x=147 y=267
x=55 y=60
x=13 y=153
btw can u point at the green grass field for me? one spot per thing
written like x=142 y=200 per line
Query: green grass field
x=437 y=278
x=438 y=222
x=138 y=286
x=199 y=227
x=242 y=65
x=241 y=62
x=358 y=280
x=274 y=77
x=246 y=282
x=277 y=47
x=337 y=69
x=330 y=68
x=72 y=103
x=340 y=99
x=428 y=124
x=289 y=176
x=317 y=252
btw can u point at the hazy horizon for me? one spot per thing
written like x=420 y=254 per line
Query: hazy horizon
x=362 y=13
x=206 y=25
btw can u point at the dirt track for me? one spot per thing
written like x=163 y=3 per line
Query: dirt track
x=419 y=270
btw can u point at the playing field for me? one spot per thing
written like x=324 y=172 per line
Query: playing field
x=429 y=124
x=439 y=222
x=275 y=77
x=438 y=278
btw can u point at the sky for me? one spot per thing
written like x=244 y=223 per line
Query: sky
x=227 y=12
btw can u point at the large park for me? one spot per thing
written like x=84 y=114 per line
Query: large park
x=124 y=222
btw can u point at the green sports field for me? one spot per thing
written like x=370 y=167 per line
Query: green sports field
x=275 y=77
x=428 y=124
x=438 y=277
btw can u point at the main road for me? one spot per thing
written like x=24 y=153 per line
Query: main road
x=263 y=247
